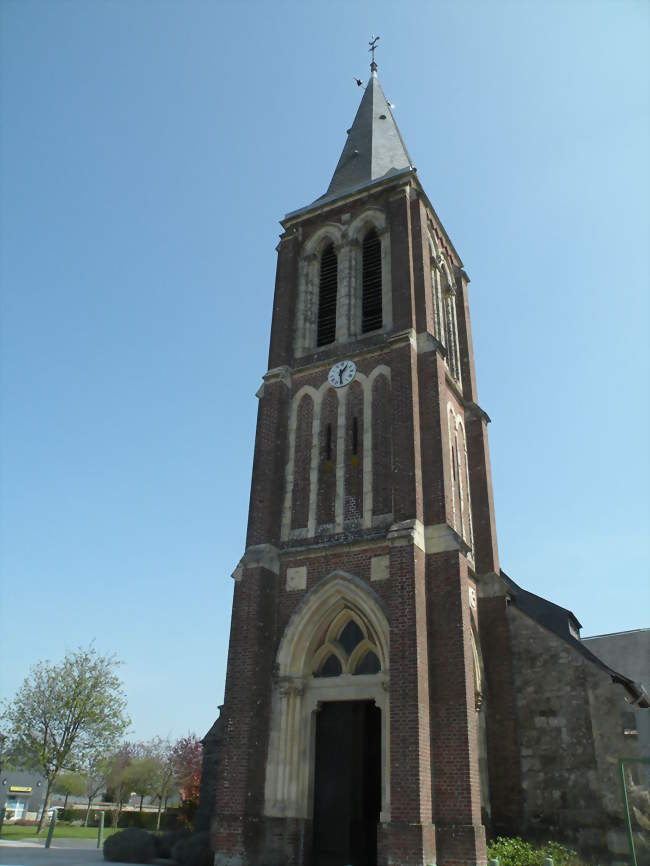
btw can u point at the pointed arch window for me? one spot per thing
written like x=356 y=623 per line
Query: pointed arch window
x=348 y=648
x=328 y=286
x=371 y=297
x=450 y=331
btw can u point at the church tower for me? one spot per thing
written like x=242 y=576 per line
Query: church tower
x=351 y=721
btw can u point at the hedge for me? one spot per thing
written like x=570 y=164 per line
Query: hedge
x=130 y=846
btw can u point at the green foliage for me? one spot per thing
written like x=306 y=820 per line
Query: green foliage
x=140 y=776
x=67 y=815
x=70 y=783
x=148 y=820
x=193 y=850
x=64 y=712
x=97 y=769
x=141 y=820
x=130 y=846
x=165 y=842
x=516 y=852
x=17 y=832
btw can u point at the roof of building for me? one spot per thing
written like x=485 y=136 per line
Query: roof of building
x=559 y=620
x=374 y=149
x=373 y=152
x=627 y=633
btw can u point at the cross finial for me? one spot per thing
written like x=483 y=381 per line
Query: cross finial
x=373 y=44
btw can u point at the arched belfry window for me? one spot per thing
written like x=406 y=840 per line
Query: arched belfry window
x=371 y=297
x=450 y=332
x=348 y=647
x=328 y=284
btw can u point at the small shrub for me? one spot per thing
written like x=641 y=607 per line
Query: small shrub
x=193 y=851
x=513 y=852
x=561 y=856
x=516 y=852
x=130 y=846
x=141 y=820
x=170 y=819
x=164 y=842
x=186 y=813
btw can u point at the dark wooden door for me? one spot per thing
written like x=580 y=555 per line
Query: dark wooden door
x=347 y=792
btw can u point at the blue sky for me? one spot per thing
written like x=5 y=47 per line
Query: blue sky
x=148 y=150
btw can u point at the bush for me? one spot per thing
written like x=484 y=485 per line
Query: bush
x=164 y=842
x=170 y=819
x=130 y=846
x=70 y=814
x=194 y=850
x=516 y=852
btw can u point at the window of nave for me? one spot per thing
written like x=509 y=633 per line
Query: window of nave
x=343 y=283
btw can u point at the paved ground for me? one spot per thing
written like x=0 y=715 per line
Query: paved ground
x=66 y=852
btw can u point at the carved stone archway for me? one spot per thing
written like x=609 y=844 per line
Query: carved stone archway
x=298 y=694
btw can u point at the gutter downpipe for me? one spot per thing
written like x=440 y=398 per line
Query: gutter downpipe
x=628 y=821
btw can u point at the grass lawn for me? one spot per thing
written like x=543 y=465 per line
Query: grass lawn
x=61 y=831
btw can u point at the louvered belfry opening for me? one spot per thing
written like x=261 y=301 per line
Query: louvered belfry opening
x=371 y=311
x=327 y=297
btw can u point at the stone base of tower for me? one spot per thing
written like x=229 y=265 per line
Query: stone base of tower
x=261 y=841
x=461 y=845
x=403 y=844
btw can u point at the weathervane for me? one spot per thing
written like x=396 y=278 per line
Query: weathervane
x=373 y=44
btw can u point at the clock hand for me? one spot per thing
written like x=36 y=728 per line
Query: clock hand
x=341 y=372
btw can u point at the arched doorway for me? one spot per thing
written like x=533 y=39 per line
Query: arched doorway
x=328 y=754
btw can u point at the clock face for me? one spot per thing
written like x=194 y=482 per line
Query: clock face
x=342 y=373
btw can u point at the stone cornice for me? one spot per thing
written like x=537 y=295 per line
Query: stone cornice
x=476 y=412
x=278 y=374
x=435 y=538
x=316 y=209
x=258 y=556
x=426 y=342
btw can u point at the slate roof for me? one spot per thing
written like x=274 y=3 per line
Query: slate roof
x=558 y=620
x=374 y=150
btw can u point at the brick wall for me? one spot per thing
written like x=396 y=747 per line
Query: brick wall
x=433 y=719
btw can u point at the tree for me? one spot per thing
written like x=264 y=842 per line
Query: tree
x=63 y=713
x=188 y=761
x=163 y=782
x=141 y=776
x=97 y=772
x=117 y=781
x=70 y=783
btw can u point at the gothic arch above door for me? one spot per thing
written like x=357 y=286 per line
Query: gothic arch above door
x=335 y=648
